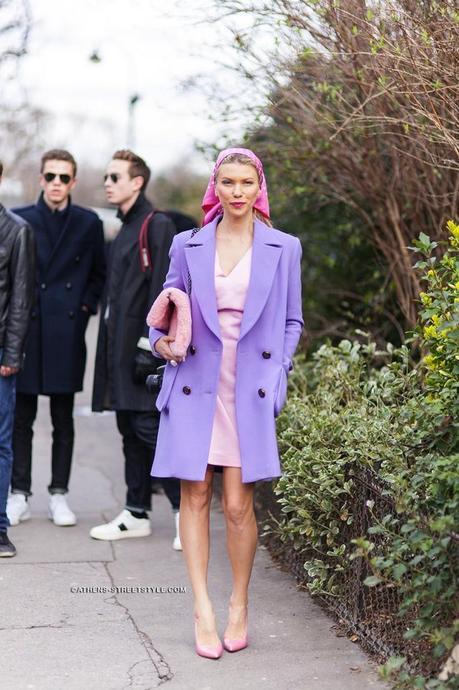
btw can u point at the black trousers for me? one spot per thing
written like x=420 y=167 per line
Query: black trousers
x=139 y=431
x=61 y=407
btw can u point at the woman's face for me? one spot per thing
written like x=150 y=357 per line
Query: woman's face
x=237 y=188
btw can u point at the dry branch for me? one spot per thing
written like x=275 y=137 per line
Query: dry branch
x=364 y=103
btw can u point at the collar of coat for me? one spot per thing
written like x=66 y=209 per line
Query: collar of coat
x=41 y=203
x=200 y=256
x=140 y=207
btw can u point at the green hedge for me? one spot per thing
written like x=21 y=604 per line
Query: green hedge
x=354 y=410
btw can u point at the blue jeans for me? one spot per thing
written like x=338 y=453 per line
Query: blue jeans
x=7 y=404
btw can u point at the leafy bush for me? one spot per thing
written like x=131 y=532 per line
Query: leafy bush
x=356 y=410
x=439 y=327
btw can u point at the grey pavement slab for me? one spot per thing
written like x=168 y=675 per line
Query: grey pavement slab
x=55 y=638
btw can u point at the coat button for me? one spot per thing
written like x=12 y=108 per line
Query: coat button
x=192 y=350
x=262 y=392
x=68 y=286
x=43 y=286
x=266 y=355
x=33 y=315
x=77 y=258
x=71 y=314
x=186 y=390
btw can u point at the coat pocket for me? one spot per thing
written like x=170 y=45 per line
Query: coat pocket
x=166 y=388
x=280 y=394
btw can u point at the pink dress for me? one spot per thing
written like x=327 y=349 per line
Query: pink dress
x=231 y=292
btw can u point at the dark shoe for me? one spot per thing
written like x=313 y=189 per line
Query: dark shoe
x=7 y=549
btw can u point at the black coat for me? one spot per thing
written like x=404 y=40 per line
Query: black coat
x=17 y=279
x=70 y=274
x=127 y=298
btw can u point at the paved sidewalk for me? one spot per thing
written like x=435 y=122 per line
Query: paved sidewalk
x=55 y=639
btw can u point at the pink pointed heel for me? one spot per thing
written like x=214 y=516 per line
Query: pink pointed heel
x=206 y=650
x=236 y=644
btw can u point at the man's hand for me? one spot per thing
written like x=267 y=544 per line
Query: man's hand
x=163 y=348
x=8 y=371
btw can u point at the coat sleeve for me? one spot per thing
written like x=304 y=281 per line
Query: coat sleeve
x=161 y=236
x=96 y=279
x=173 y=279
x=21 y=297
x=294 y=322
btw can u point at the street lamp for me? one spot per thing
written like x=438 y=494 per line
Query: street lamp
x=133 y=99
x=95 y=57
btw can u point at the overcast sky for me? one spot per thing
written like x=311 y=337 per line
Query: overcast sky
x=149 y=47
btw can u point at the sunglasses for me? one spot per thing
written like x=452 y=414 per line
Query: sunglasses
x=49 y=177
x=113 y=176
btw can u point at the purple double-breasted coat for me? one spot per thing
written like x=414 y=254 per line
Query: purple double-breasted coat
x=270 y=329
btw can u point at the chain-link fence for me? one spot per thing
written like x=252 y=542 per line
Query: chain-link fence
x=371 y=613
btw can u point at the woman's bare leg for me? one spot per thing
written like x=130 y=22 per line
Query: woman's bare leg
x=195 y=498
x=241 y=535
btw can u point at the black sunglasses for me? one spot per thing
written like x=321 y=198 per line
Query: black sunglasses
x=49 y=177
x=113 y=176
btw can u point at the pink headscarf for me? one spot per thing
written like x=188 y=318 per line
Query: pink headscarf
x=210 y=203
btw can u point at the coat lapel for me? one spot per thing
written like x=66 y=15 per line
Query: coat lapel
x=200 y=257
x=52 y=249
x=44 y=248
x=60 y=239
x=266 y=253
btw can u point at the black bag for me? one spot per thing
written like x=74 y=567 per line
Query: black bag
x=145 y=364
x=155 y=381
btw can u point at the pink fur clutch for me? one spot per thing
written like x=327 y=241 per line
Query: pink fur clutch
x=171 y=311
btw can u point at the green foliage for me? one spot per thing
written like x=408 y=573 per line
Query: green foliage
x=439 y=318
x=355 y=411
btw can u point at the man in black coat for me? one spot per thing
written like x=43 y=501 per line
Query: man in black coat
x=70 y=278
x=17 y=274
x=123 y=334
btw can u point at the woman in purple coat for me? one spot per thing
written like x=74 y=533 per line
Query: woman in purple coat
x=218 y=405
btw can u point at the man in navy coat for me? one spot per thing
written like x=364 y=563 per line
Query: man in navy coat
x=69 y=281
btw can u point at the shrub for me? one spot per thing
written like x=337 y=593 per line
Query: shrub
x=355 y=412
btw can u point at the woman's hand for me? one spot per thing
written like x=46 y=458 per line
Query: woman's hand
x=162 y=347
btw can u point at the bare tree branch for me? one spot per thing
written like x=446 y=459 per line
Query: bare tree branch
x=362 y=100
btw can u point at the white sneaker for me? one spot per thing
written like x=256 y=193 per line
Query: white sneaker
x=17 y=509
x=177 y=544
x=123 y=526
x=59 y=512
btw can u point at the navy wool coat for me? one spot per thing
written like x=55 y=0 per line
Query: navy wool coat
x=69 y=274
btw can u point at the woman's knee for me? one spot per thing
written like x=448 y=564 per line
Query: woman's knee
x=238 y=513
x=195 y=495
